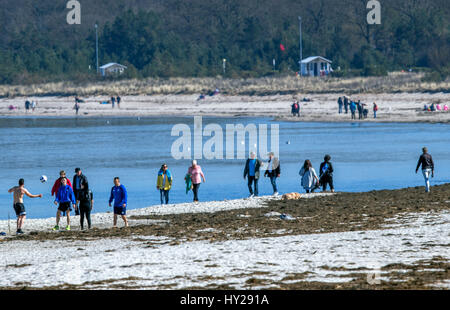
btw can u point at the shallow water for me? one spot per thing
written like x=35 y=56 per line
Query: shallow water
x=366 y=156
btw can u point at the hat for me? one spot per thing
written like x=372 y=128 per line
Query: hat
x=77 y=169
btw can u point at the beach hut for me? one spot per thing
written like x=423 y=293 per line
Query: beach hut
x=316 y=66
x=112 y=68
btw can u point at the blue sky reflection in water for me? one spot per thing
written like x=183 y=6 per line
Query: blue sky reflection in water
x=366 y=156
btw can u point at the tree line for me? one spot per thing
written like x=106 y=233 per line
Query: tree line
x=190 y=38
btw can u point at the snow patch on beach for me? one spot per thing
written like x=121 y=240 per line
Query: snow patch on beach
x=132 y=262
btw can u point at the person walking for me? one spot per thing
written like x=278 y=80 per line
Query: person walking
x=360 y=109
x=86 y=205
x=309 y=177
x=426 y=161
x=196 y=175
x=118 y=101
x=27 y=106
x=113 y=100
x=164 y=183
x=273 y=171
x=353 y=109
x=340 y=104
x=120 y=197
x=326 y=174
x=19 y=207
x=76 y=107
x=346 y=104
x=251 y=171
x=65 y=197
x=375 y=109
x=80 y=182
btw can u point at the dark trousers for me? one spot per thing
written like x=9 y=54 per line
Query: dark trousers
x=85 y=211
x=252 y=179
x=195 y=190
x=324 y=180
x=164 y=196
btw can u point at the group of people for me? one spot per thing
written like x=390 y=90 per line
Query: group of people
x=68 y=195
x=211 y=94
x=79 y=196
x=113 y=101
x=30 y=105
x=346 y=104
x=435 y=107
x=252 y=172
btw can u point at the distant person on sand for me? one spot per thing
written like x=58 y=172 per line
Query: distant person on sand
x=353 y=109
x=33 y=105
x=118 y=101
x=27 y=106
x=86 y=204
x=360 y=109
x=445 y=107
x=295 y=108
x=18 y=205
x=120 y=197
x=113 y=100
x=164 y=183
x=310 y=181
x=346 y=104
x=326 y=174
x=426 y=161
x=273 y=171
x=251 y=171
x=76 y=107
x=196 y=174
x=65 y=197
x=375 y=109
x=340 y=104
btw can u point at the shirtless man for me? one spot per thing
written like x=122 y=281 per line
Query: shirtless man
x=19 y=191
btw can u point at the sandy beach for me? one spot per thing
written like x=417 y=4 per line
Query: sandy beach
x=390 y=239
x=393 y=107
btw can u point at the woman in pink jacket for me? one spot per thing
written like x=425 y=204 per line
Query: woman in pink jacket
x=196 y=173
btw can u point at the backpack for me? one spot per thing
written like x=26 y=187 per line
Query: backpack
x=325 y=169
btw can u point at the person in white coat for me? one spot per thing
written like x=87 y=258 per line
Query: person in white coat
x=310 y=181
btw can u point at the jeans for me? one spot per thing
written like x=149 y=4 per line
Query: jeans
x=426 y=175
x=273 y=180
x=340 y=108
x=252 y=179
x=374 y=114
x=195 y=190
x=164 y=196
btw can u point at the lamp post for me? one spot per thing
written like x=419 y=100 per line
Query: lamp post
x=96 y=45
x=301 y=46
x=224 y=65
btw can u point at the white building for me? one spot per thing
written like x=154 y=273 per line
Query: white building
x=112 y=68
x=316 y=66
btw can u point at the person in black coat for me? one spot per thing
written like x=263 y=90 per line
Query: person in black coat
x=326 y=174
x=79 y=183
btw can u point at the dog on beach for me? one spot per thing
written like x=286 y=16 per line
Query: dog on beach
x=291 y=196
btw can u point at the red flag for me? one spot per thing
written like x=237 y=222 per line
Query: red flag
x=282 y=48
